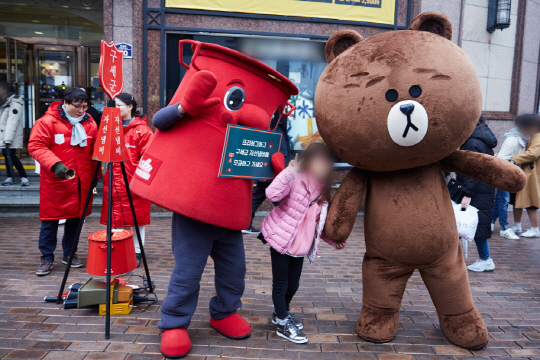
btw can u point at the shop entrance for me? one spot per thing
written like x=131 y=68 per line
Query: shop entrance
x=40 y=73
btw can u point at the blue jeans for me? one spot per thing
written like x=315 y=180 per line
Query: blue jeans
x=483 y=249
x=47 y=237
x=500 y=208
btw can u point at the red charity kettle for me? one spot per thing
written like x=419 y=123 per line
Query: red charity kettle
x=123 y=258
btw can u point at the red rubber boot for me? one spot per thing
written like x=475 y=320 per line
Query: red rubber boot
x=233 y=326
x=175 y=343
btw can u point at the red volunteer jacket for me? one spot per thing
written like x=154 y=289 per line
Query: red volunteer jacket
x=50 y=142
x=137 y=137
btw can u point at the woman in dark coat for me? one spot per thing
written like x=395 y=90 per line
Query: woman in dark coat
x=480 y=195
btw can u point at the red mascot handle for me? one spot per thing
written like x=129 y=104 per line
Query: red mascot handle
x=195 y=46
x=291 y=110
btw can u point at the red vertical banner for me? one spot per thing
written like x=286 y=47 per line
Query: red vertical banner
x=110 y=146
x=111 y=70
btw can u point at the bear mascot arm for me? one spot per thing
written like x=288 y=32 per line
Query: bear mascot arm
x=488 y=169
x=345 y=205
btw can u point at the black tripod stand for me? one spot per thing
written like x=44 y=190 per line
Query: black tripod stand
x=150 y=287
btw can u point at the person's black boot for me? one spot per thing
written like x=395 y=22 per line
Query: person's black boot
x=138 y=259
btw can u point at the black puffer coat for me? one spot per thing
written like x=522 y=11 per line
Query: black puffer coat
x=482 y=140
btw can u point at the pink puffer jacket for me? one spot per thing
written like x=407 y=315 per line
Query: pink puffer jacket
x=280 y=227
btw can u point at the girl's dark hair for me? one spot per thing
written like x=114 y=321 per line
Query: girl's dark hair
x=320 y=150
x=75 y=94
x=128 y=99
x=527 y=120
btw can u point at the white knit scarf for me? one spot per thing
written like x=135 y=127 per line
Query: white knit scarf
x=78 y=134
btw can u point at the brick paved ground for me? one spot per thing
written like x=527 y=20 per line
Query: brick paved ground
x=329 y=302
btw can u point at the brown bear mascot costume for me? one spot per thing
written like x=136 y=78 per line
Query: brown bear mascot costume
x=179 y=171
x=397 y=106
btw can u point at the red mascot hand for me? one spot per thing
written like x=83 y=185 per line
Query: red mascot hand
x=278 y=163
x=196 y=98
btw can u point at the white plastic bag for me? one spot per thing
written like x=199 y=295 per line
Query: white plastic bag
x=467 y=222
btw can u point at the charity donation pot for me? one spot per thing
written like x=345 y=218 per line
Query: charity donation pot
x=123 y=258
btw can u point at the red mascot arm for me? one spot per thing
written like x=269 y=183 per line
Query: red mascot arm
x=488 y=169
x=345 y=205
x=197 y=95
x=278 y=163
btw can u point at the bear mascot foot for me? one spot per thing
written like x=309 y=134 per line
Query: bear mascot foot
x=466 y=330
x=377 y=325
x=175 y=343
x=233 y=327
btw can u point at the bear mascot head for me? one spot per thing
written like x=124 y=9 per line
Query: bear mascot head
x=397 y=106
x=179 y=171
x=405 y=98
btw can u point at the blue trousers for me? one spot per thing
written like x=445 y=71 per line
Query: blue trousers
x=483 y=249
x=48 y=240
x=500 y=208
x=192 y=242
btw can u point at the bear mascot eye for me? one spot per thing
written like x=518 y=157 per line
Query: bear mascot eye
x=415 y=91
x=274 y=121
x=234 y=98
x=392 y=95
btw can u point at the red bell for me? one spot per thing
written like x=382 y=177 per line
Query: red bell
x=123 y=258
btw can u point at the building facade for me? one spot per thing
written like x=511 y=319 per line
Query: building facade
x=507 y=61
x=46 y=46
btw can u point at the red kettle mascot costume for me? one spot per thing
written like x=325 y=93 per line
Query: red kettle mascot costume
x=179 y=172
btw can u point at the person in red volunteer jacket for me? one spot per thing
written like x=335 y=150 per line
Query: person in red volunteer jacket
x=63 y=139
x=137 y=136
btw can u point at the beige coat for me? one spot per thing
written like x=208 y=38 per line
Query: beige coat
x=530 y=163
x=11 y=123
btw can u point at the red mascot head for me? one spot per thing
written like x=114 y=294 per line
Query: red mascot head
x=179 y=171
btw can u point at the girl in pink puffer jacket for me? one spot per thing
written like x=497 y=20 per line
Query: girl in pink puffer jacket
x=295 y=228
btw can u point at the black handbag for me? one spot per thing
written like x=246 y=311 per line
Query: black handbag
x=455 y=188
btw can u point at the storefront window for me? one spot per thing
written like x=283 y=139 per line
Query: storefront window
x=49 y=21
x=301 y=61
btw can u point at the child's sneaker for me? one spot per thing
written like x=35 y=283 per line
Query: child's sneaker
x=295 y=321
x=290 y=332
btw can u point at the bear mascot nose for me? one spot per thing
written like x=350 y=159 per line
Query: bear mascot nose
x=407 y=109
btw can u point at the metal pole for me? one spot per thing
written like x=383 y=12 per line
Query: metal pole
x=109 y=245
x=135 y=222
x=78 y=233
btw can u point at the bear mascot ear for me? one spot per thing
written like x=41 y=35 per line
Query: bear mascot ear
x=434 y=22
x=339 y=42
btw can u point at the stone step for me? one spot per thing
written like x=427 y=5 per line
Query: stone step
x=32 y=190
x=30 y=204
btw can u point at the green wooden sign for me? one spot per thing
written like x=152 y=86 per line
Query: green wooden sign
x=247 y=153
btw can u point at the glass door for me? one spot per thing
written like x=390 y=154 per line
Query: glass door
x=56 y=71
x=20 y=75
